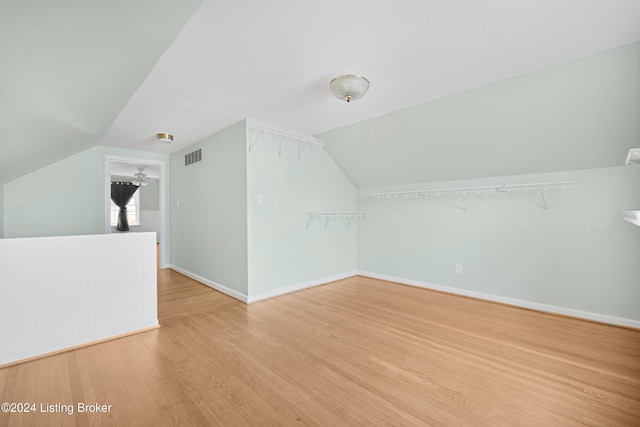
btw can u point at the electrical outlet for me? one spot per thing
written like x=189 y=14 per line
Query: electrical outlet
x=458 y=268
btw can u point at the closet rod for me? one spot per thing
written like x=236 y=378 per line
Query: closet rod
x=501 y=188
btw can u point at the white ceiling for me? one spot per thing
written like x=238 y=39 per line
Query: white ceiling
x=273 y=60
x=67 y=67
x=72 y=73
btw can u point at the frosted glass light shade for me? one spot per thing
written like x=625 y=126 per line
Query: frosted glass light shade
x=349 y=87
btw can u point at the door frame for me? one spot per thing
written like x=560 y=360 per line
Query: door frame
x=164 y=225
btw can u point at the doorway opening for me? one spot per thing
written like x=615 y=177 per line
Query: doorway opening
x=147 y=210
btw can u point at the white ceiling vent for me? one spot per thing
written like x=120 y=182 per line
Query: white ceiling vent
x=193 y=157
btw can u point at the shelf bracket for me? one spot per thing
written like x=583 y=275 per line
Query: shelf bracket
x=462 y=205
x=544 y=200
x=312 y=218
x=255 y=140
x=348 y=216
x=282 y=150
x=633 y=158
x=279 y=134
x=395 y=204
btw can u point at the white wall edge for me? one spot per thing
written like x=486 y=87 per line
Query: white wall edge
x=601 y=318
x=217 y=286
x=61 y=292
x=89 y=339
x=298 y=287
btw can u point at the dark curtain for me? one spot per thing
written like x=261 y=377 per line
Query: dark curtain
x=121 y=193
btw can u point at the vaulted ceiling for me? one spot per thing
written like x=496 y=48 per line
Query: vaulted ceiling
x=68 y=67
x=75 y=73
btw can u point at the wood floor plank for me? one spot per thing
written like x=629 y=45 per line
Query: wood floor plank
x=356 y=352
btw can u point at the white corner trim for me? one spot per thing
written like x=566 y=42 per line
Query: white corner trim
x=298 y=287
x=217 y=286
x=601 y=318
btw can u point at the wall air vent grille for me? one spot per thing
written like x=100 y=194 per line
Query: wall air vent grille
x=193 y=157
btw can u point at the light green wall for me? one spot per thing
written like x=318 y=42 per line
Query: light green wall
x=282 y=252
x=220 y=232
x=578 y=254
x=209 y=226
x=150 y=196
x=582 y=114
x=64 y=198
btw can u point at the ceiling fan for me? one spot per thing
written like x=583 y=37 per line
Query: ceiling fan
x=140 y=179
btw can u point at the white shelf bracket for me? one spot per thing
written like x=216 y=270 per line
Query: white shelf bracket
x=633 y=158
x=327 y=216
x=281 y=149
x=312 y=217
x=632 y=216
x=544 y=201
x=350 y=219
x=255 y=140
x=462 y=205
x=396 y=206
x=287 y=137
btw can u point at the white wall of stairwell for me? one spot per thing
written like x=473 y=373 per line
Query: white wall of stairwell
x=68 y=291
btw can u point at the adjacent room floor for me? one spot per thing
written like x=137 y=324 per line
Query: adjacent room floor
x=355 y=352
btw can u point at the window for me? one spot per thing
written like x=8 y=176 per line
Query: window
x=133 y=213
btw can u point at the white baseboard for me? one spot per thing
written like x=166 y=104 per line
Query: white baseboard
x=267 y=294
x=601 y=318
x=217 y=286
x=75 y=342
x=298 y=287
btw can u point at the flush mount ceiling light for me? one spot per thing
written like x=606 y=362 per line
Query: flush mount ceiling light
x=165 y=137
x=349 y=87
x=140 y=179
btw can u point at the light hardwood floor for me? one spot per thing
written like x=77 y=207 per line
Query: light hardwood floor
x=356 y=352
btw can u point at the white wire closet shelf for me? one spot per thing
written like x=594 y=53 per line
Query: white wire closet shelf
x=460 y=192
x=336 y=215
x=285 y=138
x=631 y=216
x=633 y=158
